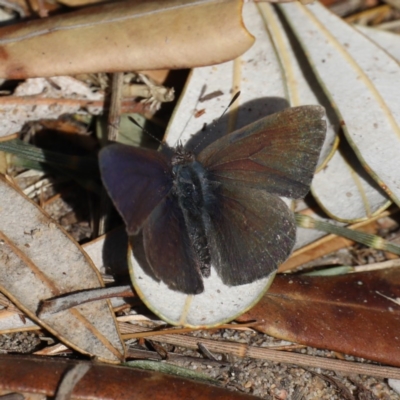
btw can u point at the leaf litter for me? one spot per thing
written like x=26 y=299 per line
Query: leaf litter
x=261 y=378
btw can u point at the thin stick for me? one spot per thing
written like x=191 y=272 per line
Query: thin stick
x=114 y=114
x=243 y=350
x=129 y=105
x=395 y=263
x=65 y=302
x=114 y=117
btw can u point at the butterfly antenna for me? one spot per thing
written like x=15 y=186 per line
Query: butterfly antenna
x=147 y=132
x=203 y=90
x=214 y=123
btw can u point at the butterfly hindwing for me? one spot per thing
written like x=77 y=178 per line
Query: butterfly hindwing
x=278 y=153
x=253 y=232
x=168 y=248
x=136 y=179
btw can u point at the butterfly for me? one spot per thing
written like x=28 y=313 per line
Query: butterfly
x=222 y=207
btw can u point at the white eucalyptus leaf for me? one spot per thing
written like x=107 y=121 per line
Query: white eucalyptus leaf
x=39 y=260
x=301 y=84
x=389 y=41
x=345 y=191
x=362 y=82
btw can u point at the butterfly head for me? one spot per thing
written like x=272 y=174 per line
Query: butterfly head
x=182 y=156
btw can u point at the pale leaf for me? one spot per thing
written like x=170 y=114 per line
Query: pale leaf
x=363 y=83
x=39 y=260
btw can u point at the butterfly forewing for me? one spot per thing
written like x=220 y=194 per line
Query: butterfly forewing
x=278 y=153
x=168 y=249
x=136 y=179
x=252 y=234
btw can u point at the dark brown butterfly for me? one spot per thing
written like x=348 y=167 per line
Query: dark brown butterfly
x=222 y=207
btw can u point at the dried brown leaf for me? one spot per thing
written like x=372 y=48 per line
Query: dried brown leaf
x=124 y=36
x=342 y=313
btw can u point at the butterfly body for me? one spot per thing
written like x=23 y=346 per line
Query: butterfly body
x=195 y=194
x=219 y=211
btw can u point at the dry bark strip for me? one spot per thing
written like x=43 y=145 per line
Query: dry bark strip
x=37 y=375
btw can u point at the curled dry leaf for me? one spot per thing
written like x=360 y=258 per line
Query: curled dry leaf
x=124 y=36
x=343 y=313
x=33 y=375
x=39 y=260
